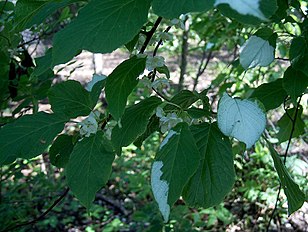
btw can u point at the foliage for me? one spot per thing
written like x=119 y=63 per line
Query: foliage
x=194 y=160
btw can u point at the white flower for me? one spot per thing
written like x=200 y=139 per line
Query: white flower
x=177 y=23
x=166 y=36
x=160 y=84
x=154 y=62
x=166 y=122
x=110 y=125
x=89 y=125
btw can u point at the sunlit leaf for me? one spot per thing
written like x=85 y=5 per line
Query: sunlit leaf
x=241 y=119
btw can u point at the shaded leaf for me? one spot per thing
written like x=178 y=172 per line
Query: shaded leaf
x=60 y=150
x=121 y=82
x=215 y=175
x=89 y=167
x=134 y=122
x=71 y=99
x=29 y=136
x=294 y=82
x=152 y=126
x=295 y=196
x=285 y=125
x=270 y=94
x=184 y=99
x=100 y=27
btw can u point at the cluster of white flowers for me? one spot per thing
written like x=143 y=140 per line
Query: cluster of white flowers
x=165 y=36
x=154 y=62
x=89 y=125
x=177 y=23
x=167 y=121
x=110 y=125
x=160 y=84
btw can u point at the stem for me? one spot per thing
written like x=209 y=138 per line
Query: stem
x=150 y=35
x=184 y=53
x=39 y=218
x=284 y=161
x=160 y=42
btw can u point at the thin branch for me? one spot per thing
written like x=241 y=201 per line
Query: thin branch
x=202 y=69
x=160 y=41
x=42 y=216
x=284 y=161
x=283 y=59
x=150 y=34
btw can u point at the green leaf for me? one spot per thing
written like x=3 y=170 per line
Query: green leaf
x=101 y=27
x=96 y=85
x=71 y=99
x=121 y=82
x=60 y=150
x=134 y=122
x=198 y=113
x=299 y=54
x=215 y=175
x=29 y=136
x=241 y=119
x=89 y=167
x=176 y=161
x=174 y=8
x=33 y=12
x=270 y=94
x=294 y=82
x=164 y=70
x=248 y=12
x=184 y=99
x=152 y=126
x=295 y=196
x=43 y=63
x=285 y=125
x=259 y=49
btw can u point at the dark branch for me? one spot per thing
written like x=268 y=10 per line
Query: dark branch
x=42 y=216
x=150 y=34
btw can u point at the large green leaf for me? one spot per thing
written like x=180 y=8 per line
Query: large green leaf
x=295 y=196
x=134 y=122
x=29 y=136
x=294 y=82
x=248 y=12
x=101 y=26
x=30 y=12
x=71 y=99
x=89 y=167
x=285 y=125
x=175 y=162
x=121 y=82
x=241 y=119
x=270 y=94
x=59 y=152
x=174 y=8
x=215 y=175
